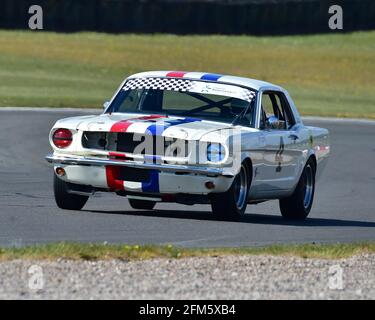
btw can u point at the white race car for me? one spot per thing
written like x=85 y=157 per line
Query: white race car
x=191 y=138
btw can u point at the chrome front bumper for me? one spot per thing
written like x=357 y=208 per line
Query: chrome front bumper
x=91 y=161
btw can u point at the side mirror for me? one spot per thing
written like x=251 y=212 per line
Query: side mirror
x=105 y=105
x=274 y=123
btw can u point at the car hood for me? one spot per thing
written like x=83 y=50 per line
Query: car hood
x=169 y=126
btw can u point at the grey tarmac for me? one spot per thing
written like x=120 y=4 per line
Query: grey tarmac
x=344 y=208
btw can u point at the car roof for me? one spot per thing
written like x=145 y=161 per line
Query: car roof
x=247 y=82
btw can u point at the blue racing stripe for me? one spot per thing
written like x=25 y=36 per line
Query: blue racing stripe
x=160 y=126
x=211 y=77
x=153 y=184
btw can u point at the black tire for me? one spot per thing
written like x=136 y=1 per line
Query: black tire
x=298 y=205
x=142 y=204
x=64 y=199
x=231 y=205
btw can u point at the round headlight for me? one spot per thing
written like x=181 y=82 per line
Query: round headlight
x=215 y=152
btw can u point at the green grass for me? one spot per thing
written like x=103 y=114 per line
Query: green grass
x=77 y=251
x=327 y=75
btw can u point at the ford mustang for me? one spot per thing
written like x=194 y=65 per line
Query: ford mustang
x=191 y=137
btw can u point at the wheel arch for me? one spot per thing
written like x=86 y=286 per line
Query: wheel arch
x=312 y=157
x=249 y=163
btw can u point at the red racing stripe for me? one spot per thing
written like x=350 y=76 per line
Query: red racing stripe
x=123 y=125
x=176 y=74
x=112 y=172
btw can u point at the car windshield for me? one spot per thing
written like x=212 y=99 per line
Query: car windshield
x=186 y=98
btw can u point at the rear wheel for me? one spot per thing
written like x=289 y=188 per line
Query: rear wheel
x=298 y=205
x=142 y=204
x=64 y=199
x=232 y=204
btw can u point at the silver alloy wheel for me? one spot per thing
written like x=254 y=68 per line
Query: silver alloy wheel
x=241 y=185
x=309 y=186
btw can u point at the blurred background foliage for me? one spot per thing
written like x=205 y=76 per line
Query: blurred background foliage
x=329 y=74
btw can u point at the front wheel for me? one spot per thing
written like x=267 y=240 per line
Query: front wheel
x=298 y=205
x=232 y=204
x=142 y=204
x=64 y=199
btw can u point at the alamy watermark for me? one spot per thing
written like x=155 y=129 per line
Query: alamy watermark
x=336 y=277
x=336 y=21
x=36 y=19
x=36 y=279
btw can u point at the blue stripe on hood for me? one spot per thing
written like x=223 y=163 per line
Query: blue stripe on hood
x=161 y=125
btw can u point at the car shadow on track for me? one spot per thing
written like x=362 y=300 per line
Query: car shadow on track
x=247 y=218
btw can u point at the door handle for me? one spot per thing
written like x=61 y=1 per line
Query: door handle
x=293 y=137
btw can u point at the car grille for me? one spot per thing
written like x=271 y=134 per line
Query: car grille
x=128 y=142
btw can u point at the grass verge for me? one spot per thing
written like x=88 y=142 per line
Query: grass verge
x=76 y=251
x=327 y=75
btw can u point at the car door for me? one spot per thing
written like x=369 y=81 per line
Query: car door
x=280 y=162
x=297 y=141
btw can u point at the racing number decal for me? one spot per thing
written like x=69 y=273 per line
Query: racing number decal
x=279 y=155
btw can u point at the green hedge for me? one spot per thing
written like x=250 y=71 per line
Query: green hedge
x=190 y=17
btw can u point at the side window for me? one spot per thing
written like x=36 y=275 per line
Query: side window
x=272 y=107
x=280 y=113
x=275 y=104
x=267 y=107
x=287 y=111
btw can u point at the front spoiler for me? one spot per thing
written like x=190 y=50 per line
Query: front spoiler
x=92 y=161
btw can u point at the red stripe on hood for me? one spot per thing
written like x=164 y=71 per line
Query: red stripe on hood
x=123 y=125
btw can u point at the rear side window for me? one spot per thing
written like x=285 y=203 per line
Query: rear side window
x=288 y=114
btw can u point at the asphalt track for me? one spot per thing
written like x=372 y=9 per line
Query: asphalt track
x=344 y=208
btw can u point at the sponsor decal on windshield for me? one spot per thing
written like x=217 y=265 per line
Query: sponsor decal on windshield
x=184 y=85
